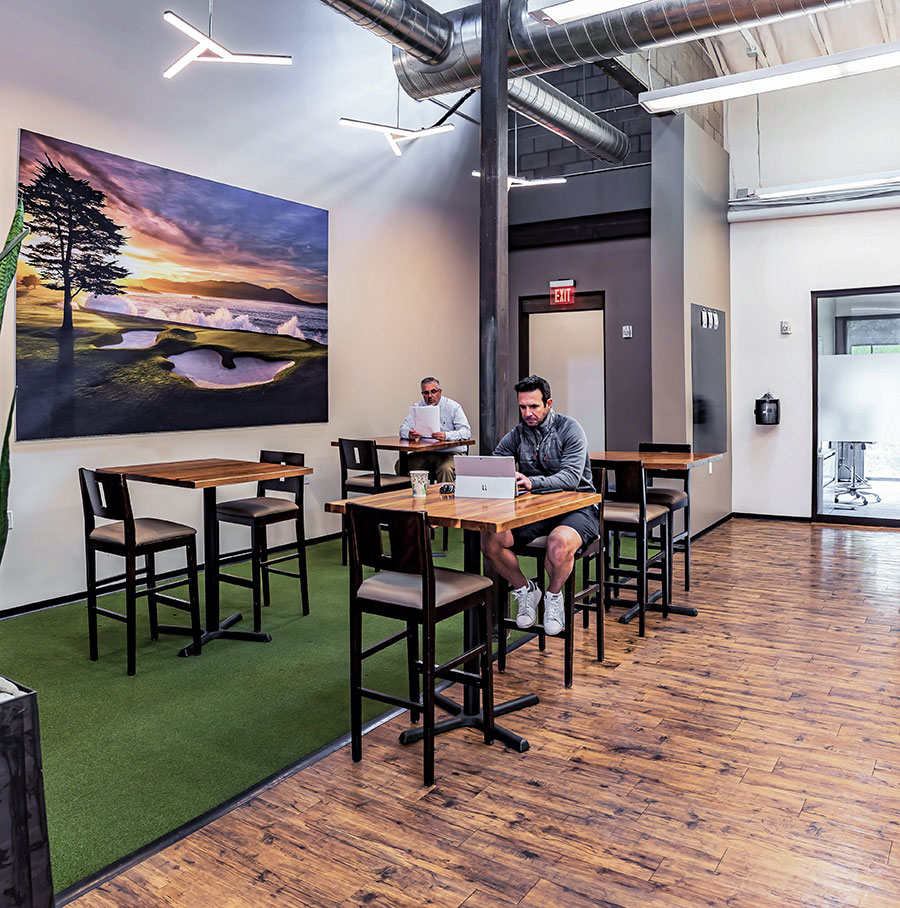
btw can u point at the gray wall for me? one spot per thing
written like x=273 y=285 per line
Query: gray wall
x=690 y=264
x=620 y=269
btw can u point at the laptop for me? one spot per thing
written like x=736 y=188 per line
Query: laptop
x=485 y=477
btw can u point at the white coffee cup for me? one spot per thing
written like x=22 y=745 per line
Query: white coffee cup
x=419 y=479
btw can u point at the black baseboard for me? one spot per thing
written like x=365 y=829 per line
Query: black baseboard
x=69 y=598
x=748 y=516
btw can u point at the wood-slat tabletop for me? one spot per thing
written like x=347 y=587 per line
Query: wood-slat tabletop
x=395 y=443
x=496 y=514
x=660 y=460
x=206 y=472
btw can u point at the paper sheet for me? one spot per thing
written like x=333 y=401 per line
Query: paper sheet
x=427 y=420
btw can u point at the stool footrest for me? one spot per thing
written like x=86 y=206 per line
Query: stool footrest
x=175 y=602
x=235 y=580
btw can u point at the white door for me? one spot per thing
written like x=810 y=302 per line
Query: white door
x=566 y=348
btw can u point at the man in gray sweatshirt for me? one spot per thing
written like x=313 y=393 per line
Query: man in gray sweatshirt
x=551 y=452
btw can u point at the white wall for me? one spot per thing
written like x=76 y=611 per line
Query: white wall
x=403 y=232
x=841 y=129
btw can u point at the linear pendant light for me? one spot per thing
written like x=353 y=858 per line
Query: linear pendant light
x=869 y=182
x=208 y=51
x=396 y=134
x=516 y=182
x=774 y=78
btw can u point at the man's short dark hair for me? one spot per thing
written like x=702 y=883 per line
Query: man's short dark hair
x=534 y=383
x=427 y=380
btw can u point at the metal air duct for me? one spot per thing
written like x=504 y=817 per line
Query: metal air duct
x=428 y=39
x=534 y=48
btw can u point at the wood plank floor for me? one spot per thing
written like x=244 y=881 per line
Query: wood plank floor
x=749 y=757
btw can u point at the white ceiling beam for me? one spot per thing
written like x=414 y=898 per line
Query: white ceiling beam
x=768 y=37
x=822 y=45
x=886 y=21
x=712 y=51
x=753 y=48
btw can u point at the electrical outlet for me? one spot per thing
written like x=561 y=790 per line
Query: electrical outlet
x=9 y=522
x=786 y=327
x=306 y=480
x=627 y=331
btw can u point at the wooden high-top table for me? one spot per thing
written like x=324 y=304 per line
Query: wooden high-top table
x=472 y=516
x=208 y=474
x=660 y=460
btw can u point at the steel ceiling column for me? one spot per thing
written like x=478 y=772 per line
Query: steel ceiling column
x=494 y=247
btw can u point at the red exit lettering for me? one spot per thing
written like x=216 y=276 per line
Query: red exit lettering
x=562 y=296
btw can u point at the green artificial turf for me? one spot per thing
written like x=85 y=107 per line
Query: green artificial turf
x=128 y=759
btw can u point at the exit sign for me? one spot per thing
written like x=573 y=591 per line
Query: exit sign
x=562 y=293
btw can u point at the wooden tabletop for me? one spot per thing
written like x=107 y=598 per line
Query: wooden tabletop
x=396 y=443
x=495 y=514
x=659 y=460
x=207 y=472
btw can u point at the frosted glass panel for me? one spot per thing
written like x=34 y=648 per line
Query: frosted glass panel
x=859 y=398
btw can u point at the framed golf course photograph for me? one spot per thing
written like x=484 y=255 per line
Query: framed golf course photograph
x=149 y=300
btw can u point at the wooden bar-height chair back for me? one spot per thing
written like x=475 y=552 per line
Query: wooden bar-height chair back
x=360 y=455
x=258 y=515
x=626 y=511
x=673 y=499
x=105 y=496
x=408 y=588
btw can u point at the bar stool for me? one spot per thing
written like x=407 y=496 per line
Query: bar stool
x=259 y=514
x=362 y=454
x=409 y=588
x=589 y=597
x=626 y=512
x=674 y=500
x=105 y=495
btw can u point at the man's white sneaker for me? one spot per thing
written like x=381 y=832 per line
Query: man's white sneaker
x=554 y=613
x=527 y=598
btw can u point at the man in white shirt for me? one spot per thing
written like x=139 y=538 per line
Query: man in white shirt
x=454 y=427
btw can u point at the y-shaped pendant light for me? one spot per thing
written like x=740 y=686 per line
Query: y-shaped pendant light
x=208 y=51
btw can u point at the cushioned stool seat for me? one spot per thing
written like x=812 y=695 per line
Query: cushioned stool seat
x=669 y=498
x=367 y=483
x=256 y=507
x=147 y=531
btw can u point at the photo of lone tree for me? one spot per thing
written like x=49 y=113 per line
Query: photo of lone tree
x=79 y=245
x=149 y=300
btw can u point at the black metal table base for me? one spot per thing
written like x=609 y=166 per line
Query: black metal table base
x=223 y=631
x=657 y=607
x=476 y=720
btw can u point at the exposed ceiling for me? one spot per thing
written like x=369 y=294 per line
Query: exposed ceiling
x=801 y=38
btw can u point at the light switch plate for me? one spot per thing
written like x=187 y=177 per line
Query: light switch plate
x=627 y=331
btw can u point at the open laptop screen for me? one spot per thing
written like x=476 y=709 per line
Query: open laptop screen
x=484 y=466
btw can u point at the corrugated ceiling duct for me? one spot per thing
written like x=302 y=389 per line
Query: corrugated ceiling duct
x=534 y=48
x=547 y=105
x=429 y=38
x=410 y=25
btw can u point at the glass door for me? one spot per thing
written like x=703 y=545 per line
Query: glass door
x=857 y=405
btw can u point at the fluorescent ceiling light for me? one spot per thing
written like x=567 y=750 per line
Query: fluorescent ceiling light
x=216 y=53
x=774 y=78
x=560 y=13
x=515 y=182
x=889 y=180
x=396 y=134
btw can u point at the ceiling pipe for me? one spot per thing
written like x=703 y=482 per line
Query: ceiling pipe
x=428 y=38
x=534 y=48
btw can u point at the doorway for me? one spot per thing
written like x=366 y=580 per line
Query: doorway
x=856 y=414
x=565 y=345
